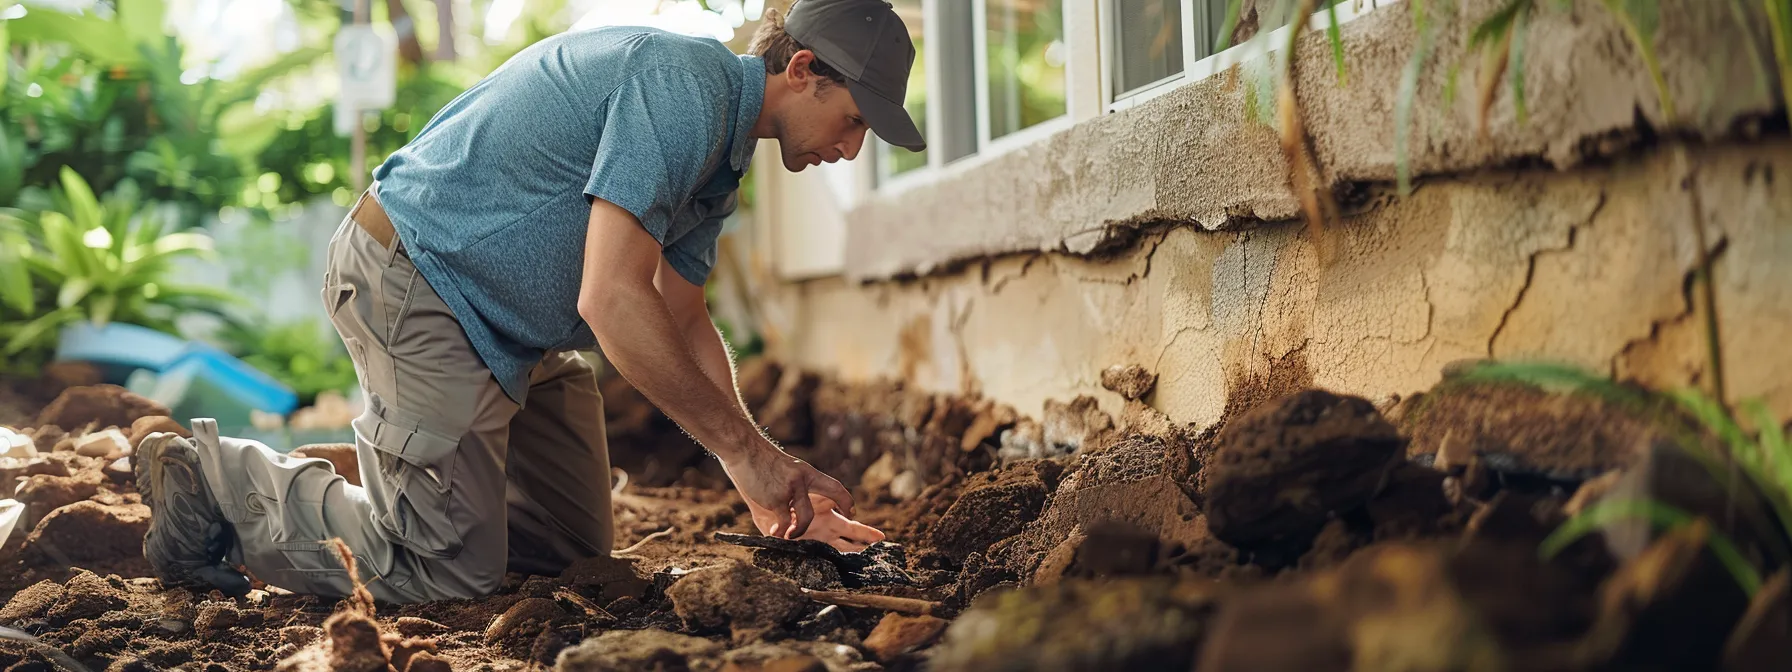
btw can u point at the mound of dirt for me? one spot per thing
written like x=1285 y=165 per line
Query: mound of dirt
x=1126 y=624
x=1284 y=468
x=746 y=599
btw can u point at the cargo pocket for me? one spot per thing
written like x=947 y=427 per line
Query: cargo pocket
x=416 y=468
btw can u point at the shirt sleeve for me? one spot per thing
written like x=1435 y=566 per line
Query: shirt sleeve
x=658 y=133
x=694 y=254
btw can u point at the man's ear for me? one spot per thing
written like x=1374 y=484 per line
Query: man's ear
x=797 y=74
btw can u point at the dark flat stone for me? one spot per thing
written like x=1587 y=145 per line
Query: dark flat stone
x=879 y=564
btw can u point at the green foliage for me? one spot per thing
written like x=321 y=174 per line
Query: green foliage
x=106 y=97
x=300 y=354
x=96 y=261
x=1660 y=515
x=1697 y=424
x=308 y=158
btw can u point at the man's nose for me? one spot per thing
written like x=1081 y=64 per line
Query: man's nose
x=850 y=148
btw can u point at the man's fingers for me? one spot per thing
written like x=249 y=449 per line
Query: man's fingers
x=805 y=513
x=830 y=488
x=862 y=533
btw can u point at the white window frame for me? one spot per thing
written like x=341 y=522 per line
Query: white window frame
x=1077 y=108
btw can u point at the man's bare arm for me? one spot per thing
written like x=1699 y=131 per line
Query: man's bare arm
x=641 y=338
x=692 y=314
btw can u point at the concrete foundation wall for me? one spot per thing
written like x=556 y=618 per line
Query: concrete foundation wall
x=1166 y=236
x=1590 y=265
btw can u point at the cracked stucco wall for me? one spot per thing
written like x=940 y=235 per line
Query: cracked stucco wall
x=1191 y=156
x=1590 y=265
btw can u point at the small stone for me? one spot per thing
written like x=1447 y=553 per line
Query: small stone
x=171 y=626
x=747 y=599
x=898 y=634
x=16 y=445
x=428 y=662
x=583 y=608
x=879 y=475
x=108 y=443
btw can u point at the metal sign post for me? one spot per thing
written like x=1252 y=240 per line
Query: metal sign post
x=367 y=69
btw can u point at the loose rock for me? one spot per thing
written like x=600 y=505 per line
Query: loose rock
x=527 y=617
x=42 y=494
x=897 y=635
x=606 y=578
x=106 y=444
x=99 y=406
x=737 y=595
x=87 y=532
x=355 y=644
x=993 y=507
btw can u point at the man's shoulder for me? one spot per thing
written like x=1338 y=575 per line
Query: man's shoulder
x=650 y=47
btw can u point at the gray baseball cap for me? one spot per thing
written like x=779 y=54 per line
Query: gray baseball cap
x=866 y=42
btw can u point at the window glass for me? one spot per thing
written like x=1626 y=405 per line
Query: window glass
x=895 y=160
x=1026 y=54
x=1149 y=47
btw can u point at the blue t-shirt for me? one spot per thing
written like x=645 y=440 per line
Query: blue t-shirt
x=492 y=199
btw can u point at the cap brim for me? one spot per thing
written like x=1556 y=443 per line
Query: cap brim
x=887 y=118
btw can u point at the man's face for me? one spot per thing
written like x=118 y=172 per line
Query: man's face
x=822 y=126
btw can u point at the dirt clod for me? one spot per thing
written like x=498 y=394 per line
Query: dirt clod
x=86 y=532
x=525 y=618
x=1284 y=468
x=993 y=507
x=32 y=602
x=897 y=635
x=1126 y=624
x=649 y=650
x=355 y=644
x=1130 y=382
x=606 y=578
x=85 y=596
x=99 y=406
x=44 y=493
x=747 y=599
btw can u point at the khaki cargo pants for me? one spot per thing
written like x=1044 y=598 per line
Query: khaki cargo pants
x=459 y=483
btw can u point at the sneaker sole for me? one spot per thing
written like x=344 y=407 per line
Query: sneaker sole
x=150 y=464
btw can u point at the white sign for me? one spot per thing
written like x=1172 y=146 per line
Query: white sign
x=367 y=65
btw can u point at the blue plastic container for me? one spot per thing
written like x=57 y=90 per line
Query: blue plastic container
x=118 y=349
x=204 y=382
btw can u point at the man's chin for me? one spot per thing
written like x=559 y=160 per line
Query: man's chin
x=795 y=166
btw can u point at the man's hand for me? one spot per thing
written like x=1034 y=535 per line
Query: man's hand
x=830 y=526
x=777 y=488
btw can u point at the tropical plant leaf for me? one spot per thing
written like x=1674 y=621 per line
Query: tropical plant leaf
x=1660 y=515
x=15 y=278
x=84 y=208
x=102 y=40
x=45 y=326
x=73 y=291
x=1779 y=21
x=1559 y=377
x=1773 y=442
x=1717 y=420
x=1228 y=26
x=101 y=308
x=142 y=21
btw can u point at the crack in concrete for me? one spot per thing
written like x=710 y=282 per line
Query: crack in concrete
x=1530 y=271
x=1689 y=310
